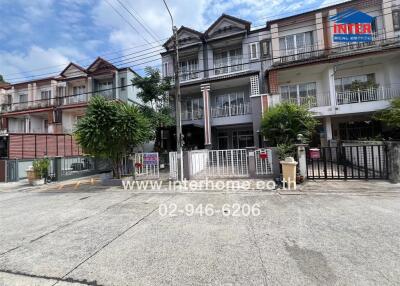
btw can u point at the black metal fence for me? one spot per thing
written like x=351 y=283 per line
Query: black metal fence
x=368 y=162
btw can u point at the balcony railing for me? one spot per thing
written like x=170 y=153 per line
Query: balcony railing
x=192 y=115
x=378 y=38
x=298 y=54
x=236 y=64
x=185 y=76
x=79 y=98
x=233 y=110
x=371 y=94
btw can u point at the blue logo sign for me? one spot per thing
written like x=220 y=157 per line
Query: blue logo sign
x=352 y=26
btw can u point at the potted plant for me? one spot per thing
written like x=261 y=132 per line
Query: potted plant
x=38 y=172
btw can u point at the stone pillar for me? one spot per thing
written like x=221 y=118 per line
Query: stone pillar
x=205 y=89
x=301 y=158
x=319 y=27
x=393 y=157
x=275 y=43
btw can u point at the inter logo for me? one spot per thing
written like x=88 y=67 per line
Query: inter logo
x=352 y=26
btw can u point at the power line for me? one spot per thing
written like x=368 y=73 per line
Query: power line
x=255 y=36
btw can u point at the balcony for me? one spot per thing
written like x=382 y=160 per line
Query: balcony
x=378 y=38
x=186 y=76
x=299 y=54
x=235 y=64
x=233 y=110
x=78 y=98
x=192 y=115
x=367 y=95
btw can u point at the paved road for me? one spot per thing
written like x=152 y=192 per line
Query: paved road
x=95 y=236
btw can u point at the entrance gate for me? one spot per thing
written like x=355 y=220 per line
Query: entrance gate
x=147 y=166
x=365 y=162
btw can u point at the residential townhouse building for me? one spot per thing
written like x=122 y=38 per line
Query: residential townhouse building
x=38 y=116
x=231 y=74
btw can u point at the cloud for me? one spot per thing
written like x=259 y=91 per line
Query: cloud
x=35 y=58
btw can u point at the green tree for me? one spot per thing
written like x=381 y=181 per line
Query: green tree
x=110 y=129
x=282 y=124
x=391 y=115
x=154 y=92
x=2 y=79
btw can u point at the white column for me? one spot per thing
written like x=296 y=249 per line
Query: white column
x=30 y=96
x=331 y=13
x=320 y=31
x=205 y=89
x=53 y=87
x=34 y=93
x=116 y=85
x=328 y=128
x=332 y=87
x=89 y=87
x=388 y=19
x=275 y=43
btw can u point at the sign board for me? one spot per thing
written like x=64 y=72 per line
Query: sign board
x=352 y=26
x=150 y=158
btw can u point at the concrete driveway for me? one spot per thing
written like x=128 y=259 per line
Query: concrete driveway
x=99 y=236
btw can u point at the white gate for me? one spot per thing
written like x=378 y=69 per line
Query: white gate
x=173 y=165
x=219 y=163
x=147 y=166
x=263 y=161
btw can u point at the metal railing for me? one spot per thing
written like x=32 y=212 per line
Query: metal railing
x=236 y=64
x=192 y=115
x=366 y=95
x=378 y=38
x=185 y=76
x=311 y=51
x=78 y=98
x=232 y=110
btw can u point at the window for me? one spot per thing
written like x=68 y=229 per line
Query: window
x=354 y=82
x=253 y=51
x=303 y=93
x=235 y=103
x=79 y=94
x=396 y=20
x=243 y=139
x=228 y=61
x=189 y=69
x=296 y=44
x=45 y=125
x=45 y=96
x=105 y=88
x=165 y=69
x=192 y=109
x=23 y=99
x=265 y=50
x=122 y=83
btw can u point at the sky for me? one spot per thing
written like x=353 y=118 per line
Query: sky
x=39 y=38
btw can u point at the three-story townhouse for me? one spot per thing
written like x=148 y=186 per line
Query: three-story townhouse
x=342 y=83
x=221 y=83
x=39 y=116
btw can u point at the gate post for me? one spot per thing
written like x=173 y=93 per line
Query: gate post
x=252 y=161
x=186 y=165
x=57 y=168
x=301 y=158
x=393 y=158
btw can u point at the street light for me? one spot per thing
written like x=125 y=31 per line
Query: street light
x=177 y=99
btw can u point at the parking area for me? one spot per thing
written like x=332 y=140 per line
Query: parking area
x=92 y=235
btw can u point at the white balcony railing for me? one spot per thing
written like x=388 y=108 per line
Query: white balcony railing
x=371 y=94
x=378 y=38
x=308 y=101
x=233 y=110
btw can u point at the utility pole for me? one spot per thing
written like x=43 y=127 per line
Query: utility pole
x=178 y=115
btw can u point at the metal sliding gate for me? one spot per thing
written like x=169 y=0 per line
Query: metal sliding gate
x=365 y=162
